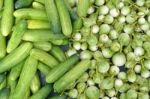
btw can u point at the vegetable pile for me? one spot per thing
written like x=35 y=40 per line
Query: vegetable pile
x=80 y=49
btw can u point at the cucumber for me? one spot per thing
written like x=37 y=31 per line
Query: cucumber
x=82 y=7
x=2 y=46
x=42 y=93
x=27 y=94
x=38 y=24
x=61 y=69
x=1 y=4
x=60 y=42
x=44 y=57
x=26 y=76
x=22 y=3
x=71 y=75
x=58 y=53
x=41 y=35
x=37 y=5
x=46 y=46
x=15 y=71
x=77 y=24
x=4 y=93
x=64 y=17
x=53 y=16
x=73 y=13
x=16 y=36
x=35 y=84
x=15 y=57
x=12 y=85
x=7 y=17
x=2 y=77
x=30 y=13
x=43 y=68
x=3 y=84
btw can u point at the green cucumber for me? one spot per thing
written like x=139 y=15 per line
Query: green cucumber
x=64 y=17
x=53 y=16
x=42 y=93
x=26 y=76
x=16 y=36
x=2 y=46
x=30 y=13
x=43 y=68
x=4 y=93
x=37 y=5
x=7 y=17
x=58 y=53
x=41 y=35
x=38 y=24
x=35 y=84
x=71 y=75
x=15 y=71
x=22 y=3
x=61 y=69
x=44 y=57
x=15 y=57
x=82 y=7
x=46 y=46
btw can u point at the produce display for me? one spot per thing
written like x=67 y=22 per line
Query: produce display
x=74 y=49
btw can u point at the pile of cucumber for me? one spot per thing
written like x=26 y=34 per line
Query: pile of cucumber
x=32 y=33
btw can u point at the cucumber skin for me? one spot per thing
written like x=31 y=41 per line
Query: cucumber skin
x=65 y=19
x=16 y=56
x=71 y=75
x=26 y=76
x=61 y=69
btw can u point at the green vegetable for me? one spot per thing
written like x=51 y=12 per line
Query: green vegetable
x=26 y=76
x=107 y=83
x=103 y=66
x=35 y=84
x=92 y=92
x=82 y=7
x=58 y=53
x=3 y=84
x=2 y=77
x=30 y=13
x=72 y=75
x=27 y=94
x=15 y=71
x=18 y=32
x=4 y=93
x=41 y=35
x=72 y=12
x=1 y=4
x=77 y=24
x=38 y=24
x=7 y=22
x=46 y=46
x=2 y=46
x=15 y=57
x=43 y=68
x=64 y=17
x=22 y=3
x=42 y=93
x=44 y=57
x=61 y=69
x=38 y=5
x=53 y=16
